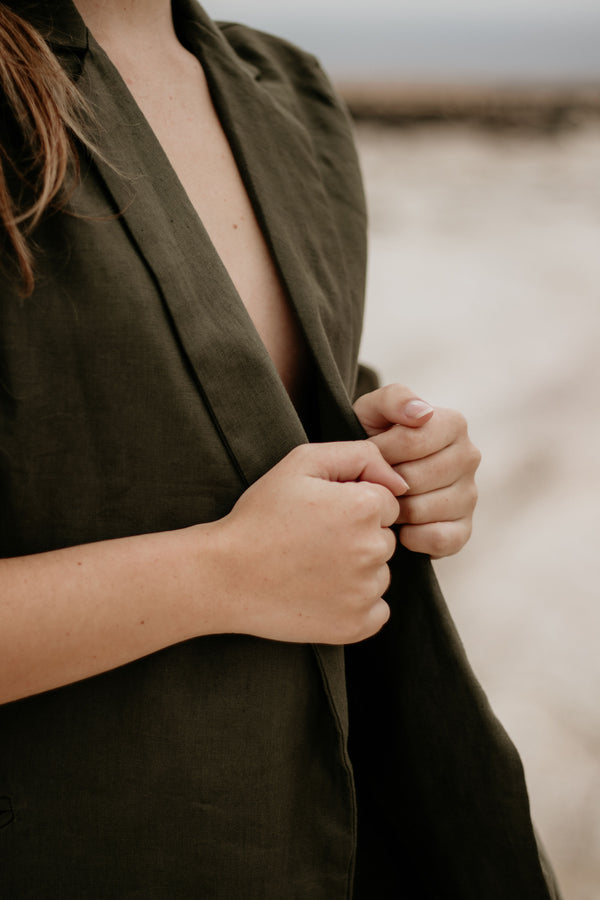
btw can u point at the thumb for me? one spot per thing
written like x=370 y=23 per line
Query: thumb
x=353 y=461
x=391 y=405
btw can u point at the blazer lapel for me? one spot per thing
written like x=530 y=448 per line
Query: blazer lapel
x=234 y=372
x=276 y=158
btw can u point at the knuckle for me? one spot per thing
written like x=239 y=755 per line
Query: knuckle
x=460 y=422
x=380 y=547
x=385 y=578
x=473 y=457
x=300 y=453
x=456 y=424
x=371 y=557
x=442 y=540
x=395 y=395
x=393 y=390
x=390 y=549
x=369 y=498
x=375 y=585
x=366 y=553
x=466 y=496
x=450 y=538
x=387 y=545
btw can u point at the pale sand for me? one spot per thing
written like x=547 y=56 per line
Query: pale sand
x=484 y=294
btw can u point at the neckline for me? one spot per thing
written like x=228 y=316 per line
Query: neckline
x=210 y=65
x=232 y=369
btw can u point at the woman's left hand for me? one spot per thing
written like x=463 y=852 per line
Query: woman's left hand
x=430 y=448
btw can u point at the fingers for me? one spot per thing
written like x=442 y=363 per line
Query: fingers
x=437 y=539
x=444 y=505
x=348 y=461
x=401 y=444
x=312 y=539
x=394 y=404
x=442 y=469
x=436 y=512
x=378 y=503
x=439 y=522
x=377 y=471
x=356 y=464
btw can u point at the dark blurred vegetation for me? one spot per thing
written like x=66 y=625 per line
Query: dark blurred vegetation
x=539 y=109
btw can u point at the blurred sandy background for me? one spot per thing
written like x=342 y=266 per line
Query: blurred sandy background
x=484 y=295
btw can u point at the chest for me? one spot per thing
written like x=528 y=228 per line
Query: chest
x=180 y=111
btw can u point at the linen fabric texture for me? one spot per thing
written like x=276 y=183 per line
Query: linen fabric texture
x=136 y=396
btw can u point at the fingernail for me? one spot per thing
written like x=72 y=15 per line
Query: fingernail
x=405 y=483
x=416 y=409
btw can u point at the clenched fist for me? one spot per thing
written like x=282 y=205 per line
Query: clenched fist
x=306 y=546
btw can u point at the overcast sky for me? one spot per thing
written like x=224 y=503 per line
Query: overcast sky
x=535 y=40
x=487 y=9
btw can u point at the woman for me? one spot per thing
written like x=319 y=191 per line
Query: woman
x=181 y=571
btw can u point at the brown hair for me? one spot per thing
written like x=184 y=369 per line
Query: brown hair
x=47 y=110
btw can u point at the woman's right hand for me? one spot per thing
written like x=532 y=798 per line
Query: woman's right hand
x=301 y=557
x=305 y=548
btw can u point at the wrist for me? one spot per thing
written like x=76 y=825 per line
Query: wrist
x=209 y=559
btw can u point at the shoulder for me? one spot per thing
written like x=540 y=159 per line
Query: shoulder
x=276 y=59
x=297 y=82
x=287 y=71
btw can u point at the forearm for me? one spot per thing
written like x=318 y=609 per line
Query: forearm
x=72 y=613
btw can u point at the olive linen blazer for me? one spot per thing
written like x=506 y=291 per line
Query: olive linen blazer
x=136 y=396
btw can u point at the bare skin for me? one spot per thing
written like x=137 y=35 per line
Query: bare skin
x=73 y=613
